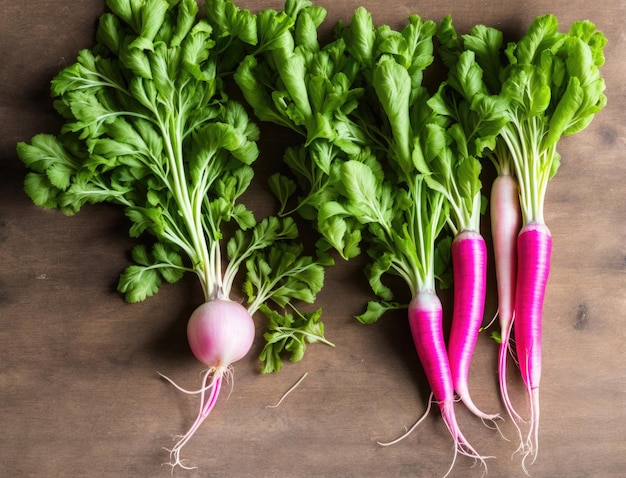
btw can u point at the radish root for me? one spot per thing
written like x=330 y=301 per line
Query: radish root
x=209 y=391
x=461 y=446
x=293 y=387
x=413 y=427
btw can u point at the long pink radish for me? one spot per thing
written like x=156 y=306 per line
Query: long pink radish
x=534 y=249
x=505 y=227
x=469 y=265
x=425 y=321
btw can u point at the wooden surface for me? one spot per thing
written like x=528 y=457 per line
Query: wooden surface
x=79 y=392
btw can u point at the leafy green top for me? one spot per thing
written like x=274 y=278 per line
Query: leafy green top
x=355 y=101
x=389 y=190
x=471 y=129
x=148 y=126
x=553 y=87
x=309 y=89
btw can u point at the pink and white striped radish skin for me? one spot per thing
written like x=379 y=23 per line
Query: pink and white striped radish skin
x=469 y=265
x=506 y=222
x=220 y=332
x=534 y=249
x=426 y=323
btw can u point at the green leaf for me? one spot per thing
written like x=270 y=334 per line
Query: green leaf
x=135 y=59
x=282 y=187
x=307 y=21
x=145 y=219
x=360 y=37
x=289 y=334
x=274 y=30
x=526 y=89
x=45 y=154
x=231 y=21
x=110 y=32
x=443 y=262
x=140 y=255
x=139 y=282
x=469 y=75
x=565 y=112
x=375 y=271
x=41 y=191
x=393 y=89
x=375 y=310
x=292 y=71
x=282 y=274
x=362 y=189
x=486 y=43
x=450 y=48
x=185 y=20
x=341 y=235
x=542 y=34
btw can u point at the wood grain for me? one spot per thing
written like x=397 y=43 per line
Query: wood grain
x=79 y=392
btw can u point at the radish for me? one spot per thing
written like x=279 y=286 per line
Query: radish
x=416 y=176
x=410 y=251
x=555 y=89
x=470 y=130
x=358 y=175
x=469 y=265
x=552 y=86
x=220 y=332
x=534 y=247
x=505 y=227
x=149 y=127
x=425 y=321
x=473 y=57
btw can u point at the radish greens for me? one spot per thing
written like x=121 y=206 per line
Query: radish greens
x=148 y=126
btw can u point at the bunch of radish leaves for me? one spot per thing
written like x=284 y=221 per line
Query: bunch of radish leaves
x=148 y=126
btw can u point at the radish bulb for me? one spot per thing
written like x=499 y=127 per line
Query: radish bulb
x=219 y=332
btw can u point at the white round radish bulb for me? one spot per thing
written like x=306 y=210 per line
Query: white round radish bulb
x=220 y=332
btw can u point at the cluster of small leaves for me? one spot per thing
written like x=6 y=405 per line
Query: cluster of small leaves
x=359 y=104
x=282 y=274
x=310 y=89
x=552 y=87
x=389 y=190
x=144 y=278
x=289 y=333
x=148 y=126
x=471 y=130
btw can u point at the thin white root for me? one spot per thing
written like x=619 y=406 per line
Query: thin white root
x=293 y=387
x=410 y=430
x=532 y=441
x=184 y=390
x=461 y=444
x=211 y=383
x=468 y=402
x=494 y=426
x=456 y=453
x=493 y=319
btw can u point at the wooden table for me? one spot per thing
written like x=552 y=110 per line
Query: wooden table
x=79 y=390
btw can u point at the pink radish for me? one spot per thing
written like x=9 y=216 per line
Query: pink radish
x=425 y=321
x=220 y=332
x=505 y=227
x=534 y=248
x=469 y=264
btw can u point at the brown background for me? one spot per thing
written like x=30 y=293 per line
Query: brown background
x=79 y=393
